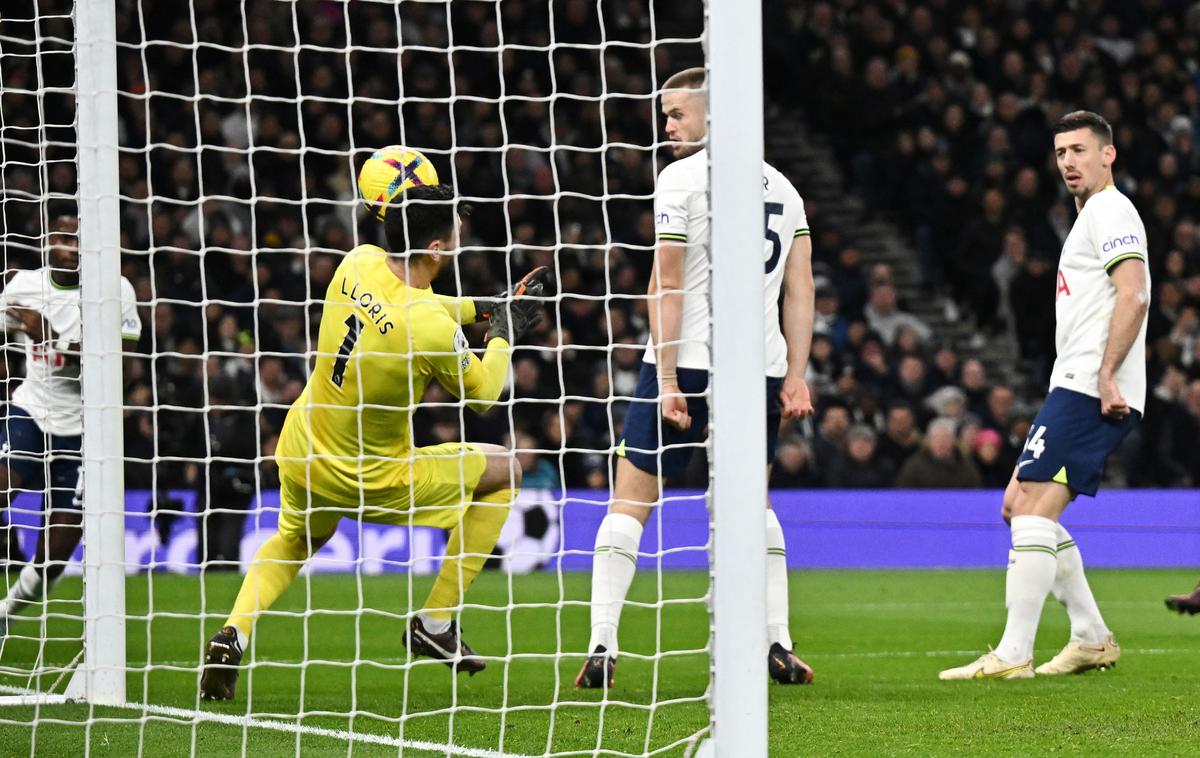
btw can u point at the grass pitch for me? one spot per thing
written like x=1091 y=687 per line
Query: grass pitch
x=876 y=640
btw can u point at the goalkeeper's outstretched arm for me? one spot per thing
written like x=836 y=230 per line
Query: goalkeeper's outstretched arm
x=480 y=382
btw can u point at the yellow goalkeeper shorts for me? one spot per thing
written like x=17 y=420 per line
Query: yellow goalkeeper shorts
x=444 y=481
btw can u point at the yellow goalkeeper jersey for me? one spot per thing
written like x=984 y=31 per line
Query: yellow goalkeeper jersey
x=348 y=437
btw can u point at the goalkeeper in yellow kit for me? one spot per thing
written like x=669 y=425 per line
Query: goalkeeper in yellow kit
x=346 y=448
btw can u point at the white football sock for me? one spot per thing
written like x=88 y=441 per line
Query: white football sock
x=28 y=588
x=777 y=584
x=1072 y=590
x=613 y=566
x=1031 y=567
x=434 y=625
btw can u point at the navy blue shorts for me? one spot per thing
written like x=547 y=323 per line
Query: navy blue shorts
x=1070 y=440
x=661 y=449
x=28 y=451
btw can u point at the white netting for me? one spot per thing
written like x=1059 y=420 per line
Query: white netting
x=37 y=185
x=242 y=126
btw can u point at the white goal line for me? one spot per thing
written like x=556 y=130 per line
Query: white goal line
x=19 y=697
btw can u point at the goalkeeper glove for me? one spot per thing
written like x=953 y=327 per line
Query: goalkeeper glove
x=513 y=313
x=485 y=306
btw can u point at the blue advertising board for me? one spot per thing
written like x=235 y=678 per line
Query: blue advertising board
x=823 y=528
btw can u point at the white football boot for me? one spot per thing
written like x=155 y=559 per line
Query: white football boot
x=1078 y=657
x=988 y=666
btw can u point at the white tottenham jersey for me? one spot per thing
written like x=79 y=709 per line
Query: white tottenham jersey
x=1107 y=231
x=50 y=392
x=681 y=216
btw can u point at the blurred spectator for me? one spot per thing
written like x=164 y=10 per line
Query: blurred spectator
x=538 y=473
x=945 y=367
x=884 y=317
x=831 y=440
x=948 y=402
x=1032 y=311
x=978 y=251
x=901 y=437
x=939 y=464
x=975 y=386
x=1006 y=268
x=988 y=451
x=1171 y=429
x=860 y=467
x=849 y=283
x=794 y=467
x=226 y=486
x=1000 y=407
x=911 y=385
x=828 y=319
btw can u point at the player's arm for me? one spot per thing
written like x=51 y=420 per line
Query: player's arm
x=478 y=382
x=673 y=197
x=799 y=299
x=665 y=293
x=33 y=323
x=461 y=309
x=1133 y=302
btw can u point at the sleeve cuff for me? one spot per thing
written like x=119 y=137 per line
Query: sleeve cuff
x=800 y=233
x=1108 y=267
x=672 y=237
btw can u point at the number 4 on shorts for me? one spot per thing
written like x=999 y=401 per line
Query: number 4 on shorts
x=1035 y=442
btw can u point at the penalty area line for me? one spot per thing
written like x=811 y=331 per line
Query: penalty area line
x=30 y=698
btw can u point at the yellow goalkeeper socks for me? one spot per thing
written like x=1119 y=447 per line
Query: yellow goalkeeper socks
x=470 y=545
x=274 y=567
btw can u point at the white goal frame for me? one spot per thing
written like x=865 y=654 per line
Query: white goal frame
x=101 y=678
x=739 y=486
x=739 y=480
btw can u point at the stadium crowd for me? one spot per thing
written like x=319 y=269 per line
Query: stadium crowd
x=235 y=213
x=941 y=117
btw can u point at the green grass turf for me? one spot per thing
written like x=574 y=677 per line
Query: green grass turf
x=876 y=640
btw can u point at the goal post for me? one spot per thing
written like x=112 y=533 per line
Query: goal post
x=739 y=483
x=101 y=677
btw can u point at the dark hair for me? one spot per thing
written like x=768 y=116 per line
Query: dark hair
x=62 y=222
x=424 y=214
x=1086 y=120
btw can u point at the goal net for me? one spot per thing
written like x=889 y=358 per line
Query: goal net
x=226 y=204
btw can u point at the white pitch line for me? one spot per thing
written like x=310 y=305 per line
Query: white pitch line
x=275 y=726
x=866 y=654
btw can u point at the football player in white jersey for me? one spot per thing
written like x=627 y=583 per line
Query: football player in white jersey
x=41 y=437
x=1097 y=394
x=676 y=369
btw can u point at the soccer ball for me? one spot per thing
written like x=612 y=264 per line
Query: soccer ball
x=388 y=172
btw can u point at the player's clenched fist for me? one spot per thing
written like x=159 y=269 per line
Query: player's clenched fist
x=1112 y=402
x=674 y=408
x=27 y=320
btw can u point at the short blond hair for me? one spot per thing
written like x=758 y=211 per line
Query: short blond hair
x=689 y=78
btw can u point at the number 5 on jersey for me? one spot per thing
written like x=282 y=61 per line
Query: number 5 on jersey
x=773 y=209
